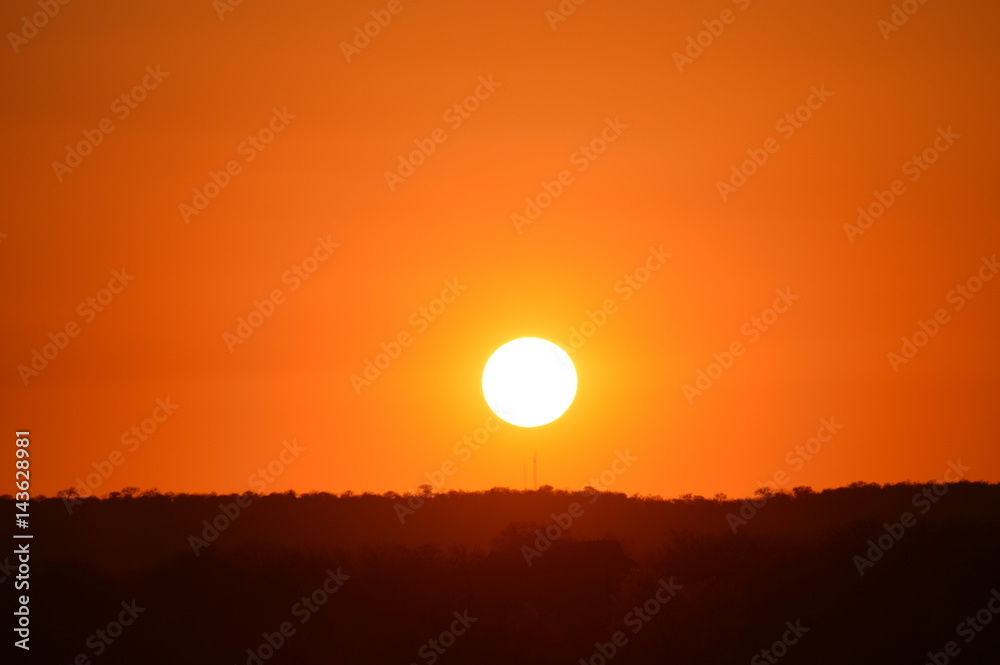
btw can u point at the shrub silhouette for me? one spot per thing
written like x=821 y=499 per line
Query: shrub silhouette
x=794 y=559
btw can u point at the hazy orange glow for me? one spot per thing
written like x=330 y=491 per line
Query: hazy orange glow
x=574 y=180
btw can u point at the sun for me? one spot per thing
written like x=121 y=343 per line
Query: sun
x=529 y=382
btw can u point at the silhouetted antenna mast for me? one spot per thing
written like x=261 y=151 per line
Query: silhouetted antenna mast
x=535 y=478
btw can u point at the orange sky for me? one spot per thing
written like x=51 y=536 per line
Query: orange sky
x=632 y=138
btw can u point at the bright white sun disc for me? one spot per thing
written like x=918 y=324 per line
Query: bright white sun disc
x=529 y=382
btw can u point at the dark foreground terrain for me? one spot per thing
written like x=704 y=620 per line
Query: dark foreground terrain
x=904 y=573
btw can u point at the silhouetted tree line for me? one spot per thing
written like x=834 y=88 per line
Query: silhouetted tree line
x=509 y=576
